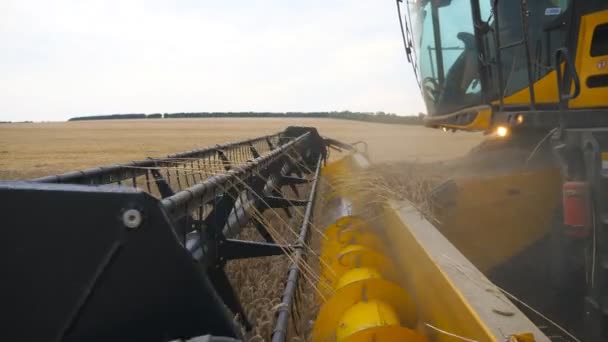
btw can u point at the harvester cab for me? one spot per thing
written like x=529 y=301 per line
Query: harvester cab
x=482 y=64
x=530 y=211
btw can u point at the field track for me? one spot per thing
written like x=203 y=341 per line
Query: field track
x=32 y=150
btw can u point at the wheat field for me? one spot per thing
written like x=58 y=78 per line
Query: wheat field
x=38 y=149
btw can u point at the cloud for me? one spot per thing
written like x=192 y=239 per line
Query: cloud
x=67 y=57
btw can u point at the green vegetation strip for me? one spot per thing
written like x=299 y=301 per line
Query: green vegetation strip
x=380 y=117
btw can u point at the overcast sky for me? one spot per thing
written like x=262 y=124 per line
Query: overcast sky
x=66 y=58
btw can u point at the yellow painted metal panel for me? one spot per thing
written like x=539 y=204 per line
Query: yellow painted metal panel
x=589 y=66
x=481 y=122
x=545 y=91
x=491 y=219
x=450 y=294
x=440 y=303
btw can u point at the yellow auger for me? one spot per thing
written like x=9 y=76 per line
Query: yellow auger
x=363 y=298
x=364 y=302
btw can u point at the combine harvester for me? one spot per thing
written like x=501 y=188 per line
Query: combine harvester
x=516 y=250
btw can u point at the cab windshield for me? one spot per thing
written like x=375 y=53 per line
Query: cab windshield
x=450 y=60
x=447 y=55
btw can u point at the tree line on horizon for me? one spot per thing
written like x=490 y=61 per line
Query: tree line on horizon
x=380 y=117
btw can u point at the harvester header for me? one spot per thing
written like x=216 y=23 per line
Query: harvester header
x=161 y=249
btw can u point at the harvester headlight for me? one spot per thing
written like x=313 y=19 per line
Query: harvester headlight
x=502 y=131
x=444 y=129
